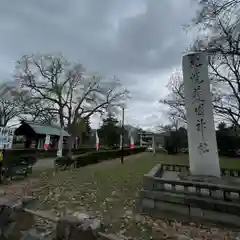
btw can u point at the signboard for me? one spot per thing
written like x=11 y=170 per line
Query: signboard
x=6 y=137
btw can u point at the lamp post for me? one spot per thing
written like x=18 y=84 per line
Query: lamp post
x=122 y=133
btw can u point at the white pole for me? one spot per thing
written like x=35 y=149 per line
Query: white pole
x=46 y=143
x=10 y=138
x=203 y=152
x=153 y=144
x=97 y=141
x=60 y=143
x=132 y=142
x=121 y=138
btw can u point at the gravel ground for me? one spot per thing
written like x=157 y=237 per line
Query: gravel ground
x=108 y=190
x=44 y=163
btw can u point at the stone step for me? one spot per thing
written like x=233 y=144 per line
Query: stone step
x=192 y=207
x=193 y=200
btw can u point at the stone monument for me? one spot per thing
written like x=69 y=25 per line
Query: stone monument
x=201 y=191
x=202 y=144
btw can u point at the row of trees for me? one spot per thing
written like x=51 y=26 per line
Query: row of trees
x=219 y=35
x=228 y=139
x=54 y=90
x=110 y=131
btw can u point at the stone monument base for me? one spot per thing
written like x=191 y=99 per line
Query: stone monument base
x=172 y=190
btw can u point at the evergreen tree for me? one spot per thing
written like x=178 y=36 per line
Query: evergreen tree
x=227 y=139
x=87 y=131
x=81 y=129
x=110 y=131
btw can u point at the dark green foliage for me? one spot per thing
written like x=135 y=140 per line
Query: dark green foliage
x=183 y=137
x=109 y=133
x=176 y=140
x=40 y=153
x=19 y=170
x=87 y=132
x=228 y=140
x=18 y=167
x=97 y=156
x=64 y=162
x=81 y=129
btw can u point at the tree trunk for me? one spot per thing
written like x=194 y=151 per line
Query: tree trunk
x=36 y=143
x=70 y=143
x=28 y=143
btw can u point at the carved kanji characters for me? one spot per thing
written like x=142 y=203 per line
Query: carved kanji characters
x=201 y=124
x=195 y=77
x=195 y=61
x=199 y=110
x=203 y=147
x=197 y=94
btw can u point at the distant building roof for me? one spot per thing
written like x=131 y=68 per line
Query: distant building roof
x=44 y=129
x=161 y=134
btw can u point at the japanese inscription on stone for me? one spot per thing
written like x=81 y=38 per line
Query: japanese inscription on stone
x=202 y=144
x=198 y=101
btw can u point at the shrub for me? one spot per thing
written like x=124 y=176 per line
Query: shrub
x=64 y=161
x=15 y=155
x=21 y=160
x=29 y=160
x=98 y=156
x=171 y=144
x=95 y=157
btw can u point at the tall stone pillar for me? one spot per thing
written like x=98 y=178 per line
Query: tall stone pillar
x=202 y=144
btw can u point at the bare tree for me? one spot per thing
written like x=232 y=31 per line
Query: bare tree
x=175 y=99
x=210 y=11
x=39 y=110
x=223 y=45
x=174 y=120
x=224 y=62
x=225 y=95
x=64 y=89
x=224 y=71
x=164 y=128
x=12 y=103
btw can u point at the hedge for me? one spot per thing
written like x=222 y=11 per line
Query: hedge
x=96 y=156
x=41 y=153
x=14 y=155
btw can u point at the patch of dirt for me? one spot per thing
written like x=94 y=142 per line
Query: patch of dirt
x=20 y=188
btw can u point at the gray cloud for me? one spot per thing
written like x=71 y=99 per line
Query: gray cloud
x=139 y=40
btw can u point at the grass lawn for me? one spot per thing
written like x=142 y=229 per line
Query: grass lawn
x=182 y=159
x=109 y=190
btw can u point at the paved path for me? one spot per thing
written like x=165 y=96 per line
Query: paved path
x=44 y=163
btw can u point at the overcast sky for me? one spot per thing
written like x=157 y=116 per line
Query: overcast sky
x=140 y=41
